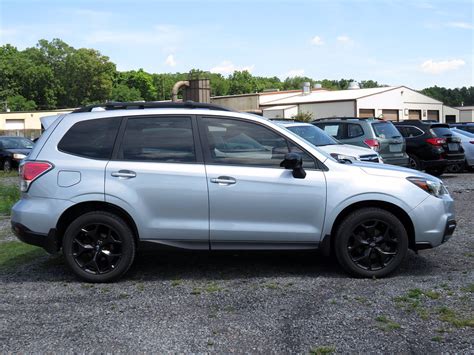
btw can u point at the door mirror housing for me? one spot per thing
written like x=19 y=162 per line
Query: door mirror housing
x=294 y=161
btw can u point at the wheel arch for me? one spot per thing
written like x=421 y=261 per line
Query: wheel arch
x=328 y=241
x=89 y=206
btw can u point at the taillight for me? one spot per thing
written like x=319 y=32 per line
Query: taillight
x=436 y=141
x=30 y=171
x=373 y=144
x=472 y=142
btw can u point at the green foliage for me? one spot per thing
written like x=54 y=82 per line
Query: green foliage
x=19 y=103
x=14 y=254
x=121 y=92
x=303 y=117
x=451 y=97
x=9 y=194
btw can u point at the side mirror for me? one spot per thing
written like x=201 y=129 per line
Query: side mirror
x=294 y=161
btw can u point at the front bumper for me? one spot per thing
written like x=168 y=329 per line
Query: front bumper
x=434 y=221
x=48 y=242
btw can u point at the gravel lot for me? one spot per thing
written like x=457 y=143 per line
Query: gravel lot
x=248 y=302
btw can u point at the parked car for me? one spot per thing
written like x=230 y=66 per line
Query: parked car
x=464 y=126
x=467 y=142
x=196 y=176
x=431 y=146
x=377 y=134
x=13 y=150
x=325 y=142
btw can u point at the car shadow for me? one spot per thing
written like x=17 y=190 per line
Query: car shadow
x=166 y=265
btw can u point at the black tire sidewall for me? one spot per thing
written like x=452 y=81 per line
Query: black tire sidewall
x=416 y=160
x=345 y=230
x=126 y=235
x=5 y=168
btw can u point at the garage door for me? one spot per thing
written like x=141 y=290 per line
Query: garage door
x=14 y=124
x=414 y=114
x=433 y=115
x=390 y=115
x=363 y=112
x=450 y=118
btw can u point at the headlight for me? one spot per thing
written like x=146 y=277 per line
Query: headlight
x=343 y=157
x=18 y=156
x=434 y=188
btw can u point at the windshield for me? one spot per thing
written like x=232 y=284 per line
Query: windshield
x=314 y=135
x=16 y=143
x=385 y=130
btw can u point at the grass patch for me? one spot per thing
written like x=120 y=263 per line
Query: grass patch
x=10 y=174
x=449 y=316
x=8 y=196
x=468 y=288
x=13 y=254
x=175 y=283
x=320 y=350
x=386 y=324
x=437 y=338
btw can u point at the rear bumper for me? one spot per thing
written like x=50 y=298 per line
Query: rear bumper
x=439 y=163
x=48 y=242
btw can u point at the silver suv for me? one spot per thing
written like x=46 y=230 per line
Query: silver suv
x=102 y=179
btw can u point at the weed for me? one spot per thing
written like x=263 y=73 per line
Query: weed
x=213 y=287
x=322 y=350
x=196 y=291
x=437 y=338
x=175 y=283
x=9 y=194
x=123 y=295
x=449 y=316
x=140 y=286
x=387 y=324
x=468 y=288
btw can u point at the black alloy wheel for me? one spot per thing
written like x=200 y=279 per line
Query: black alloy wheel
x=372 y=245
x=97 y=249
x=371 y=242
x=99 y=246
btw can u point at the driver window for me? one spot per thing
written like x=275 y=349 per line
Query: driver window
x=235 y=142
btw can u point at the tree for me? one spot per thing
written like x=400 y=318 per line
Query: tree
x=19 y=103
x=140 y=80
x=122 y=92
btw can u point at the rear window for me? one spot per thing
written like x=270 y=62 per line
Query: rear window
x=385 y=130
x=92 y=139
x=440 y=131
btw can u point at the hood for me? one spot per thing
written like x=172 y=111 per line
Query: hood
x=347 y=149
x=391 y=171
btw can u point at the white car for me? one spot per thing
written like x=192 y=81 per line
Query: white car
x=330 y=145
x=467 y=142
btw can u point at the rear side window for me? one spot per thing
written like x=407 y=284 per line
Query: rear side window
x=92 y=138
x=385 y=130
x=354 y=130
x=333 y=129
x=158 y=139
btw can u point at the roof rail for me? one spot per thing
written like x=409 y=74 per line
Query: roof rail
x=348 y=118
x=140 y=105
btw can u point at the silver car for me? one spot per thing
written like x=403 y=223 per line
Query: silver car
x=467 y=142
x=325 y=142
x=198 y=177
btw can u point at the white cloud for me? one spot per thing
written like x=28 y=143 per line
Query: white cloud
x=317 y=41
x=344 y=39
x=227 y=67
x=463 y=25
x=170 y=61
x=294 y=72
x=433 y=67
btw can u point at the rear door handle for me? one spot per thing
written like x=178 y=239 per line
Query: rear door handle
x=224 y=180
x=126 y=174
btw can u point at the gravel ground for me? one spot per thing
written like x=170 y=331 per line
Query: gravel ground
x=248 y=302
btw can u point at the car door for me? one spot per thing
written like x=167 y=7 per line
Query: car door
x=253 y=202
x=157 y=175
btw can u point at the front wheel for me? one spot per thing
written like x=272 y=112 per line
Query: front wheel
x=371 y=242
x=7 y=165
x=99 y=247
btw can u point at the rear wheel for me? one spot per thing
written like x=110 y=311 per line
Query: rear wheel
x=414 y=162
x=456 y=168
x=99 y=247
x=371 y=242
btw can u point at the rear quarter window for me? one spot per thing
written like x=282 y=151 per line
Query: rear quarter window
x=91 y=139
x=385 y=130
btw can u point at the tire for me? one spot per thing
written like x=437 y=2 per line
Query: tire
x=371 y=242
x=99 y=247
x=7 y=165
x=456 y=168
x=436 y=171
x=414 y=162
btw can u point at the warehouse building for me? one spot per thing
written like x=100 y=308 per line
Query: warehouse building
x=26 y=124
x=466 y=113
x=391 y=103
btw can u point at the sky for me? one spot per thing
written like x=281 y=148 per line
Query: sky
x=415 y=43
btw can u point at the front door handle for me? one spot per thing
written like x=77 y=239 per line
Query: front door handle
x=224 y=180
x=125 y=174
